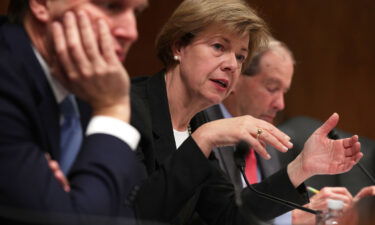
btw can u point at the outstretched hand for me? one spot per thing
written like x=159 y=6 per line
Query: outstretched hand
x=322 y=155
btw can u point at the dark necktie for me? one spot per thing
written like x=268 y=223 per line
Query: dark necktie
x=70 y=133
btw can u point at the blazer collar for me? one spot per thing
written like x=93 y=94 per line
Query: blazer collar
x=161 y=119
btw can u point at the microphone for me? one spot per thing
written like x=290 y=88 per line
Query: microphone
x=334 y=136
x=242 y=148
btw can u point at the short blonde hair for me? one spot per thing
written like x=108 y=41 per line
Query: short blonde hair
x=194 y=16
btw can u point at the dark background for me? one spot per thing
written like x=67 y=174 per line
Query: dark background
x=334 y=45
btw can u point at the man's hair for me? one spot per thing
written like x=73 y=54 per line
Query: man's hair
x=194 y=16
x=17 y=10
x=253 y=66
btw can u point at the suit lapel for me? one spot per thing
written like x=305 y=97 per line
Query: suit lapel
x=160 y=116
x=45 y=101
x=225 y=155
x=85 y=112
x=271 y=166
x=226 y=161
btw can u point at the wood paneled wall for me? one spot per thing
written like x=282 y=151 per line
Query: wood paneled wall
x=3 y=6
x=333 y=43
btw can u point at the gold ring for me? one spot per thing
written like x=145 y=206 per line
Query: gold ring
x=259 y=132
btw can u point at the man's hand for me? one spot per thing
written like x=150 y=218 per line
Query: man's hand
x=322 y=155
x=57 y=172
x=87 y=65
x=320 y=202
x=364 y=192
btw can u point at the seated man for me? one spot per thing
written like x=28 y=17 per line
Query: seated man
x=58 y=59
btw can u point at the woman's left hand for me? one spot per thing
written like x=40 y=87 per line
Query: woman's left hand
x=230 y=131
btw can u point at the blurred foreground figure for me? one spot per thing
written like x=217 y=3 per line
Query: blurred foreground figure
x=63 y=90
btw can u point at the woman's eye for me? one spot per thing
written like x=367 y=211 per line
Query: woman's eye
x=218 y=46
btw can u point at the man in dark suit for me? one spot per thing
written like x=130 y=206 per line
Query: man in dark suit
x=51 y=51
x=260 y=93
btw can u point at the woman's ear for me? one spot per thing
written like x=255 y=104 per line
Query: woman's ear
x=40 y=10
x=179 y=45
x=176 y=49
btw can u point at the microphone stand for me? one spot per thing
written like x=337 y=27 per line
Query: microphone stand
x=276 y=199
x=242 y=149
x=359 y=164
x=334 y=136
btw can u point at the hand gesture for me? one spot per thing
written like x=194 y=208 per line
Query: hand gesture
x=87 y=64
x=226 y=132
x=322 y=155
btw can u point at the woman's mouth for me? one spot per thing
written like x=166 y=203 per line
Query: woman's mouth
x=221 y=83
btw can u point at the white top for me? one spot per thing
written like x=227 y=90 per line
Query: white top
x=98 y=124
x=180 y=137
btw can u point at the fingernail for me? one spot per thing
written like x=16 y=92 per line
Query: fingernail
x=287 y=137
x=290 y=144
x=285 y=149
x=268 y=156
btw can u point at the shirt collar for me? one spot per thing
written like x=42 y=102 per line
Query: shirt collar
x=224 y=111
x=58 y=90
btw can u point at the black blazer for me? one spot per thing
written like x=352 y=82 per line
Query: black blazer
x=106 y=169
x=185 y=180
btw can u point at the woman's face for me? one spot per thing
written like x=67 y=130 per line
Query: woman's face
x=210 y=65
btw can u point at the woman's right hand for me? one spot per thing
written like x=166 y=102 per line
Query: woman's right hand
x=226 y=132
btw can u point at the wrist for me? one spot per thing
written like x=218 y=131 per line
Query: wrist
x=119 y=110
x=203 y=140
x=296 y=171
x=301 y=217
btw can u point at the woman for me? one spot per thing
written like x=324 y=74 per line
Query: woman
x=203 y=47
